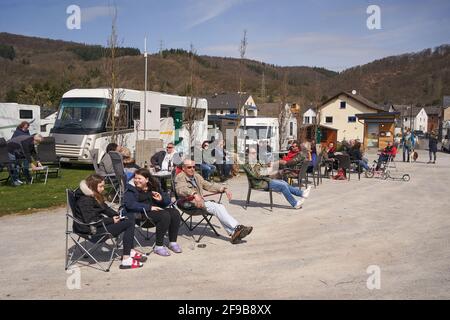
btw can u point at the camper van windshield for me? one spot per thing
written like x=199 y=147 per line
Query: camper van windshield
x=258 y=132
x=81 y=115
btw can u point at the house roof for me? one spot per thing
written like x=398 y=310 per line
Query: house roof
x=358 y=98
x=433 y=110
x=226 y=101
x=405 y=110
x=269 y=109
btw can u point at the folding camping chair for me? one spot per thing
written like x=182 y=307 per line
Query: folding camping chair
x=97 y=240
x=108 y=178
x=120 y=177
x=46 y=151
x=5 y=162
x=191 y=212
x=253 y=186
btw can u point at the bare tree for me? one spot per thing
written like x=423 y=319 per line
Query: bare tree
x=191 y=111
x=112 y=72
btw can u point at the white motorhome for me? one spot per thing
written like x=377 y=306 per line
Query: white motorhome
x=48 y=123
x=259 y=129
x=82 y=123
x=12 y=114
x=445 y=146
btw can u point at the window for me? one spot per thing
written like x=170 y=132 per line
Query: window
x=352 y=119
x=26 y=114
x=329 y=119
x=136 y=107
x=291 y=128
x=306 y=121
x=44 y=128
x=343 y=104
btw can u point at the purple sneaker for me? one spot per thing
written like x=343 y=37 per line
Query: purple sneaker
x=162 y=251
x=175 y=248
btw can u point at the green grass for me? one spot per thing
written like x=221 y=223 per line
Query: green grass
x=27 y=198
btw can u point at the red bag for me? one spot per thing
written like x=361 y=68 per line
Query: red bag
x=340 y=175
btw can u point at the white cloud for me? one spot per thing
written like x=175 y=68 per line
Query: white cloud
x=201 y=11
x=92 y=13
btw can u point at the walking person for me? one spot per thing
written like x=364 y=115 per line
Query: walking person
x=432 y=146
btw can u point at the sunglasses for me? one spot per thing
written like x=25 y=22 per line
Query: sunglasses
x=169 y=147
x=190 y=167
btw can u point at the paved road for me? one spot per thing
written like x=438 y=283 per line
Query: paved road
x=321 y=251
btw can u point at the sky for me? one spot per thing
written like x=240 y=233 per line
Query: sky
x=323 y=33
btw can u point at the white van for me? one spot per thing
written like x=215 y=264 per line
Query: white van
x=12 y=114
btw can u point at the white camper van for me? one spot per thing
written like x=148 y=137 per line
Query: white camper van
x=12 y=114
x=259 y=129
x=82 y=121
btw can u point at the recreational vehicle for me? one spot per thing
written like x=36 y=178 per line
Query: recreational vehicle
x=83 y=121
x=259 y=130
x=12 y=114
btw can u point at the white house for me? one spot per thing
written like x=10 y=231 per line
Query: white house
x=309 y=117
x=412 y=117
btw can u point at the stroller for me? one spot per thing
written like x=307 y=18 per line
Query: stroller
x=387 y=168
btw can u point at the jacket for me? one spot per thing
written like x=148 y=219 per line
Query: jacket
x=19 y=132
x=137 y=201
x=105 y=166
x=257 y=181
x=89 y=210
x=23 y=147
x=432 y=143
x=186 y=188
x=355 y=154
x=158 y=158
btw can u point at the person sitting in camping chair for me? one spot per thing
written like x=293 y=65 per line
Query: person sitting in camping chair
x=190 y=185
x=92 y=207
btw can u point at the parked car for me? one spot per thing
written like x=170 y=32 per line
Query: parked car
x=419 y=133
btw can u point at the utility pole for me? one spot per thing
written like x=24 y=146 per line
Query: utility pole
x=263 y=88
x=145 y=89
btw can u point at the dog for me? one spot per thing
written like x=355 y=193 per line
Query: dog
x=415 y=155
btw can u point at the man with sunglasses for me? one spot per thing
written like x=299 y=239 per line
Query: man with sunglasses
x=166 y=160
x=191 y=184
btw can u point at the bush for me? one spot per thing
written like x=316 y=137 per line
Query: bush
x=7 y=52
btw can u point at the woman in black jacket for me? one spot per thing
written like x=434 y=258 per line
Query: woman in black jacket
x=356 y=155
x=91 y=207
x=432 y=146
x=143 y=196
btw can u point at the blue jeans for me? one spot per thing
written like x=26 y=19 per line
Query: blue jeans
x=14 y=168
x=286 y=189
x=207 y=170
x=363 y=164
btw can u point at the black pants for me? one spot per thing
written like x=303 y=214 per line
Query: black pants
x=165 y=220
x=125 y=226
x=432 y=153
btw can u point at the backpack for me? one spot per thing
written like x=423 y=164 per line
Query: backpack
x=340 y=175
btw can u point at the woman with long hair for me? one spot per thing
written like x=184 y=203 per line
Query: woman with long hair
x=92 y=207
x=144 y=196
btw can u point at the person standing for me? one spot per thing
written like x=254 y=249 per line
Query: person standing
x=22 y=130
x=432 y=146
x=407 y=145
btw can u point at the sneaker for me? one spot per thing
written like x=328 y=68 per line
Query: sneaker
x=236 y=236
x=175 y=248
x=306 y=192
x=133 y=265
x=245 y=232
x=19 y=181
x=16 y=183
x=299 y=204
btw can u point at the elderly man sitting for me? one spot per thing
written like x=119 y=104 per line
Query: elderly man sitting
x=190 y=184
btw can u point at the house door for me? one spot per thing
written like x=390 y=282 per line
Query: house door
x=373 y=131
